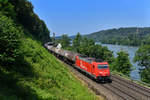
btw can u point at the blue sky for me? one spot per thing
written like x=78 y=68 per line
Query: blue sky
x=87 y=16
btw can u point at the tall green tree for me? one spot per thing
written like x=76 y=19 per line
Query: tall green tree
x=107 y=54
x=122 y=63
x=77 y=41
x=29 y=20
x=85 y=45
x=96 y=51
x=142 y=56
x=65 y=41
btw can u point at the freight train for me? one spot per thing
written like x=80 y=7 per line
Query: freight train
x=95 y=68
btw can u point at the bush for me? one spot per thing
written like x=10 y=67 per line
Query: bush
x=145 y=75
x=142 y=56
x=122 y=63
x=10 y=42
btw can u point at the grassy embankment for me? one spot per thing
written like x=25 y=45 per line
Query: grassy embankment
x=40 y=77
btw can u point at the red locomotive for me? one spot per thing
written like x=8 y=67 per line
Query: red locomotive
x=97 y=69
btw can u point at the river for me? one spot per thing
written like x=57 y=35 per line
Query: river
x=131 y=51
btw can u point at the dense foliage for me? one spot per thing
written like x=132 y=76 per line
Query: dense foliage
x=7 y=8
x=27 y=70
x=88 y=47
x=122 y=63
x=40 y=77
x=17 y=16
x=142 y=56
x=21 y=11
x=10 y=41
x=124 y=36
x=65 y=40
x=77 y=41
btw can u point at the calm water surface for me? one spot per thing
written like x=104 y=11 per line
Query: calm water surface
x=131 y=51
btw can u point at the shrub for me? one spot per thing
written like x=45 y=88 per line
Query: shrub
x=142 y=56
x=10 y=42
x=122 y=63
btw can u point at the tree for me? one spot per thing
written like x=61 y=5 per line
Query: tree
x=142 y=56
x=86 y=46
x=77 y=41
x=146 y=40
x=96 y=51
x=10 y=41
x=7 y=8
x=30 y=21
x=107 y=55
x=65 y=41
x=122 y=63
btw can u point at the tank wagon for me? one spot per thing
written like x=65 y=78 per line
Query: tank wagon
x=95 y=68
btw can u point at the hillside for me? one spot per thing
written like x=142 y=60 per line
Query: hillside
x=124 y=36
x=27 y=70
x=40 y=77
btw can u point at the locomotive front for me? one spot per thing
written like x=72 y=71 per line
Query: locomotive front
x=102 y=71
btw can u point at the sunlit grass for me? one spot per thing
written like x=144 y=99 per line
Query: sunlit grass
x=42 y=77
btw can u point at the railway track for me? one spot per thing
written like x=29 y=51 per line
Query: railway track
x=140 y=92
x=119 y=89
x=122 y=95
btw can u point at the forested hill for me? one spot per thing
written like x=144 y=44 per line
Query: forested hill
x=21 y=12
x=124 y=36
x=27 y=70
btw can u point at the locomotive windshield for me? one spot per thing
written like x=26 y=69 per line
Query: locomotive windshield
x=102 y=66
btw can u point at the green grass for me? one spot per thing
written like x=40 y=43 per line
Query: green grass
x=40 y=76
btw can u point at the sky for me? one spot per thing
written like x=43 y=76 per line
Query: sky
x=88 y=16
